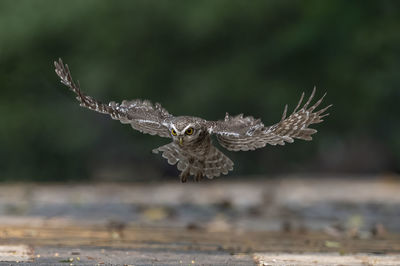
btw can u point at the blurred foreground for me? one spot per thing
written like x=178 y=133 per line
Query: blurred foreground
x=237 y=223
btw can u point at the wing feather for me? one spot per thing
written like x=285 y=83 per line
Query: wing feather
x=141 y=115
x=246 y=133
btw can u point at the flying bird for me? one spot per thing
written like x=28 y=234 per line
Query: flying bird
x=191 y=147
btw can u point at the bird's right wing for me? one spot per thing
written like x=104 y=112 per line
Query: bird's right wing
x=142 y=115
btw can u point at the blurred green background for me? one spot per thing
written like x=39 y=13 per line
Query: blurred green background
x=200 y=58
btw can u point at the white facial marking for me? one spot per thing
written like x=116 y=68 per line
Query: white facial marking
x=184 y=130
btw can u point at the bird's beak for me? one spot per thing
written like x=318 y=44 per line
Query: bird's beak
x=180 y=141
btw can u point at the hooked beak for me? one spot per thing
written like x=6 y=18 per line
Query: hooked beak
x=180 y=141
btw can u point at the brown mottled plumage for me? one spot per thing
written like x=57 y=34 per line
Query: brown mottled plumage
x=192 y=149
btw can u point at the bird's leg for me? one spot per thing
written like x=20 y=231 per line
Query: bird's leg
x=199 y=176
x=184 y=175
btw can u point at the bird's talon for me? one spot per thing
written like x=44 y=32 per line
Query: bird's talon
x=183 y=177
x=198 y=177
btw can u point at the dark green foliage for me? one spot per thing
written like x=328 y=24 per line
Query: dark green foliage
x=198 y=58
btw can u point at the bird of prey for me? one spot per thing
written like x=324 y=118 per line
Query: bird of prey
x=191 y=147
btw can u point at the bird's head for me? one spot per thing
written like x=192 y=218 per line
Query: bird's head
x=185 y=130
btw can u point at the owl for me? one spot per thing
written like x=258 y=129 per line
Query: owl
x=191 y=148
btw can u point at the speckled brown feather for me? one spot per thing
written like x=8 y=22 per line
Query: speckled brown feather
x=212 y=164
x=240 y=133
x=141 y=115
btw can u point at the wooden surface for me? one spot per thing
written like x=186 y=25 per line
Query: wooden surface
x=194 y=239
x=276 y=222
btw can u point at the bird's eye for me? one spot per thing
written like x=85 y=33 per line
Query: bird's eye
x=173 y=132
x=189 y=131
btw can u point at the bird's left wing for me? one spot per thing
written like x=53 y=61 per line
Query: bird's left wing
x=246 y=133
x=142 y=115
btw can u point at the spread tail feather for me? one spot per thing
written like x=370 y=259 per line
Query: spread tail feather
x=213 y=164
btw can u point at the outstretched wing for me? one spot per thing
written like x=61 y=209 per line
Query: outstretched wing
x=246 y=133
x=142 y=115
